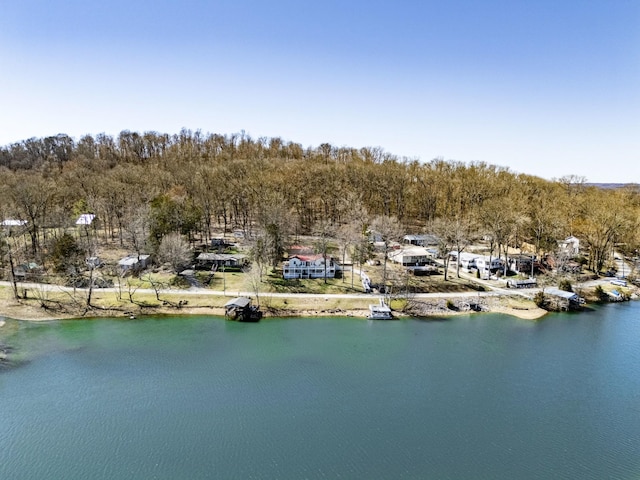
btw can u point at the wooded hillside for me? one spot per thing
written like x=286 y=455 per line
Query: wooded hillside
x=145 y=186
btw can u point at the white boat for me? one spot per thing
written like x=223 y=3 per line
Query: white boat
x=380 y=311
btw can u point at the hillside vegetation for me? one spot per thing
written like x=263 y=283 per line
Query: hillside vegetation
x=146 y=188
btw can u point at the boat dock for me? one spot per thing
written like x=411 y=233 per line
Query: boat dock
x=380 y=311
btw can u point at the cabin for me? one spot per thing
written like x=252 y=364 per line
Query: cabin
x=133 y=264
x=309 y=266
x=233 y=261
x=240 y=309
x=411 y=256
x=420 y=240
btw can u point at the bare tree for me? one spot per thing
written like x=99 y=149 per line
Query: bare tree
x=462 y=234
x=347 y=235
x=446 y=241
x=324 y=231
x=254 y=281
x=136 y=228
x=389 y=231
x=174 y=250
x=273 y=218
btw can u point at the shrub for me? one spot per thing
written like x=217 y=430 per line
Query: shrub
x=539 y=300
x=179 y=282
x=601 y=294
x=565 y=285
x=66 y=255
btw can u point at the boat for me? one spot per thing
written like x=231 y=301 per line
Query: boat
x=380 y=311
x=240 y=309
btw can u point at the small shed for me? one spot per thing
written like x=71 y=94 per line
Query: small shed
x=522 y=283
x=133 y=263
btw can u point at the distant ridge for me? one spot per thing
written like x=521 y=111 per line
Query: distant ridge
x=610 y=186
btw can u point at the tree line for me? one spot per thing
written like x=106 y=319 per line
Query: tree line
x=145 y=186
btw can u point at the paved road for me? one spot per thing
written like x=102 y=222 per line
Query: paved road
x=228 y=293
x=494 y=288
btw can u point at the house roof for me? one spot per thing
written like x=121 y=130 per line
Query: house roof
x=220 y=256
x=13 y=223
x=239 y=302
x=85 y=219
x=467 y=256
x=561 y=293
x=486 y=258
x=422 y=237
x=308 y=258
x=410 y=252
x=131 y=260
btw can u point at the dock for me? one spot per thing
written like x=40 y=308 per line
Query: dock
x=380 y=311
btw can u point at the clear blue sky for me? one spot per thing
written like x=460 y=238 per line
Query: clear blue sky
x=548 y=88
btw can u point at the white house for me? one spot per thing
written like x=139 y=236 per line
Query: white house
x=410 y=256
x=570 y=246
x=13 y=223
x=486 y=264
x=85 y=219
x=308 y=266
x=467 y=260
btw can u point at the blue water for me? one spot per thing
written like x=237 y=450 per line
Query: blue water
x=478 y=397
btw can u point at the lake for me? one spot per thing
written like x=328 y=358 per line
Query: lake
x=473 y=397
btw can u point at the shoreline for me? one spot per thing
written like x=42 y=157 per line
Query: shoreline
x=24 y=312
x=44 y=302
